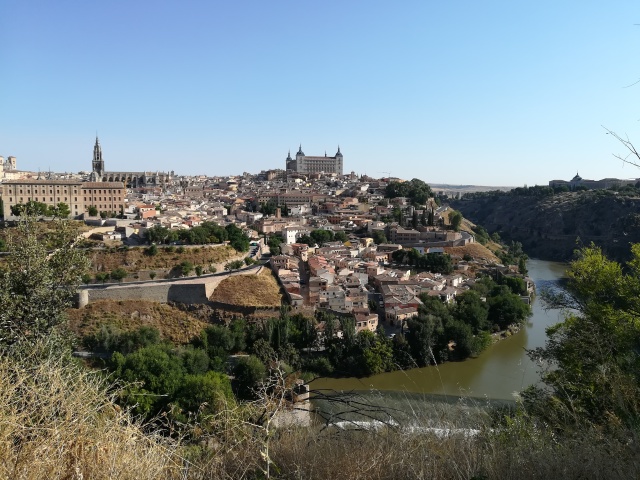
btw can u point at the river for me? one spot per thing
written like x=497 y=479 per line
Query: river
x=496 y=374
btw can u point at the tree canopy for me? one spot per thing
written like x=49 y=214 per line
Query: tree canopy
x=416 y=190
x=592 y=359
x=38 y=285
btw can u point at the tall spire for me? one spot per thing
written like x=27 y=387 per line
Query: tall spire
x=97 y=165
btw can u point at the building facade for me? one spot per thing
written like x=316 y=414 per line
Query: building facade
x=78 y=195
x=605 y=183
x=308 y=165
x=130 y=179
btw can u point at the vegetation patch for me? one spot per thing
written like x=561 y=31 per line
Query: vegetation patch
x=260 y=290
x=157 y=258
x=173 y=324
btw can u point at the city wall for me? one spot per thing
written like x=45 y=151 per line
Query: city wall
x=190 y=291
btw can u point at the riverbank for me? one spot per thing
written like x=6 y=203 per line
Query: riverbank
x=502 y=370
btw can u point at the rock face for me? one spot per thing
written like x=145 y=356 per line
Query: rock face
x=552 y=227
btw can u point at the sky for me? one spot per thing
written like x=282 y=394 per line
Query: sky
x=504 y=93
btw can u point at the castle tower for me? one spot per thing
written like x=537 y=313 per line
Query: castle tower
x=300 y=160
x=339 y=162
x=97 y=165
x=290 y=164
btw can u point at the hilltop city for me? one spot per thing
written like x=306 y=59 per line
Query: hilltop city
x=336 y=241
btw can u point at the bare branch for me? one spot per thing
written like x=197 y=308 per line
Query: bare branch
x=628 y=145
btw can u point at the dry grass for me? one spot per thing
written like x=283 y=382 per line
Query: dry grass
x=175 y=325
x=59 y=422
x=260 y=290
x=477 y=251
x=134 y=259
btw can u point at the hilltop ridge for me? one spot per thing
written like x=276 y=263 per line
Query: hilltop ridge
x=551 y=227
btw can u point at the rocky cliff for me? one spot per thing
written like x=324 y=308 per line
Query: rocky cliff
x=551 y=227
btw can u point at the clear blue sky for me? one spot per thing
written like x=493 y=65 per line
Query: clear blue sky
x=466 y=92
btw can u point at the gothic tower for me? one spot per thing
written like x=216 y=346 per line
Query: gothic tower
x=97 y=164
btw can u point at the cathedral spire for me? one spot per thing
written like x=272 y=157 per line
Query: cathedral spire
x=97 y=165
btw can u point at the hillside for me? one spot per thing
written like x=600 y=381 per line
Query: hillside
x=136 y=259
x=175 y=325
x=260 y=290
x=551 y=227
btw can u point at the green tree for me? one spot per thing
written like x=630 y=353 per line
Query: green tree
x=377 y=354
x=307 y=240
x=31 y=208
x=340 y=236
x=38 y=285
x=379 y=237
x=102 y=277
x=248 y=373
x=119 y=274
x=455 y=218
x=321 y=236
x=92 y=210
x=591 y=359
x=160 y=372
x=522 y=265
x=61 y=210
x=471 y=310
x=185 y=268
x=274 y=245
x=204 y=394
x=157 y=234
x=506 y=309
x=234 y=265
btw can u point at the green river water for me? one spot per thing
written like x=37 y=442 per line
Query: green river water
x=497 y=374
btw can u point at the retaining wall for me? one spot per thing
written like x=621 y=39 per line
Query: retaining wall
x=189 y=291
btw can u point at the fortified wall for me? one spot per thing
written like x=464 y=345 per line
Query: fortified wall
x=190 y=291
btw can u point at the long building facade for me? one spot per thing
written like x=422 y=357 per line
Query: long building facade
x=309 y=165
x=78 y=195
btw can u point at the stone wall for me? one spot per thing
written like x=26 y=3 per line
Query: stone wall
x=190 y=291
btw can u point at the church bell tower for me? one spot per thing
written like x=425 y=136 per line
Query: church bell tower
x=97 y=164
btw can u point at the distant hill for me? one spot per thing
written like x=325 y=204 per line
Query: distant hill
x=551 y=227
x=453 y=189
